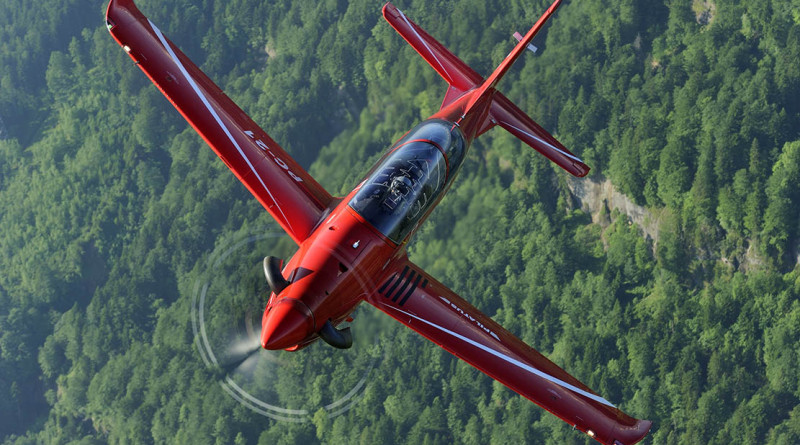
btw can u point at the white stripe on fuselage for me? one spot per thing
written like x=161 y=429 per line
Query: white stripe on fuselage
x=216 y=117
x=513 y=361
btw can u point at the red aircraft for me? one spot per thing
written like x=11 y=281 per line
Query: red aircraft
x=352 y=249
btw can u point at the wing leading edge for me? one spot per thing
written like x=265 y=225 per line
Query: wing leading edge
x=417 y=300
x=282 y=186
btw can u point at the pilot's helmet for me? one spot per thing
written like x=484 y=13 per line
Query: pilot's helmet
x=401 y=184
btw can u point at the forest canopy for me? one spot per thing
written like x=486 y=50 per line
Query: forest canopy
x=112 y=209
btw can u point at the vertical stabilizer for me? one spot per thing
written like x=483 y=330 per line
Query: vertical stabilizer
x=512 y=57
x=473 y=102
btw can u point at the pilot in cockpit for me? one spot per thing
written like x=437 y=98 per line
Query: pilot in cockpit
x=401 y=185
x=399 y=188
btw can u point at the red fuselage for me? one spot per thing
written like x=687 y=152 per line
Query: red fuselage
x=346 y=256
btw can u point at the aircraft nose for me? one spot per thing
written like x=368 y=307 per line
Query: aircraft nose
x=288 y=323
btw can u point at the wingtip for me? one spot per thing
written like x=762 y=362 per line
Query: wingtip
x=643 y=426
x=389 y=10
x=110 y=23
x=581 y=170
x=635 y=433
x=116 y=8
x=126 y=4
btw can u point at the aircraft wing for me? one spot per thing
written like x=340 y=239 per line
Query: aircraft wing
x=414 y=298
x=282 y=186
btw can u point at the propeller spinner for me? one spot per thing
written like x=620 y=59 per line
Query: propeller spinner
x=287 y=322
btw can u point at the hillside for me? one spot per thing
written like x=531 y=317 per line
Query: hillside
x=114 y=214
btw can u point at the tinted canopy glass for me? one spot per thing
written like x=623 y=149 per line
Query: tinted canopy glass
x=402 y=188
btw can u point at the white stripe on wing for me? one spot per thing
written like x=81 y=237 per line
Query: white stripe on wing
x=544 y=142
x=216 y=117
x=433 y=54
x=512 y=361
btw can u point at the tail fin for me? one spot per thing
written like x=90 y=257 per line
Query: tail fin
x=512 y=57
x=468 y=93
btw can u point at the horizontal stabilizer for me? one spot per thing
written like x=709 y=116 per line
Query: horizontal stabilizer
x=468 y=94
x=507 y=115
x=458 y=74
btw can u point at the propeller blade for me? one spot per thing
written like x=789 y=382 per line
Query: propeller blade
x=230 y=367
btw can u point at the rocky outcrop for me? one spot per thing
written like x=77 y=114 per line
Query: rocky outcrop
x=704 y=11
x=599 y=197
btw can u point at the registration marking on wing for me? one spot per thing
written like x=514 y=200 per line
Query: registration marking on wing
x=469 y=317
x=216 y=116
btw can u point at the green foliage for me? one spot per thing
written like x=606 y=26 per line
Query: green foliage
x=780 y=220
x=110 y=209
